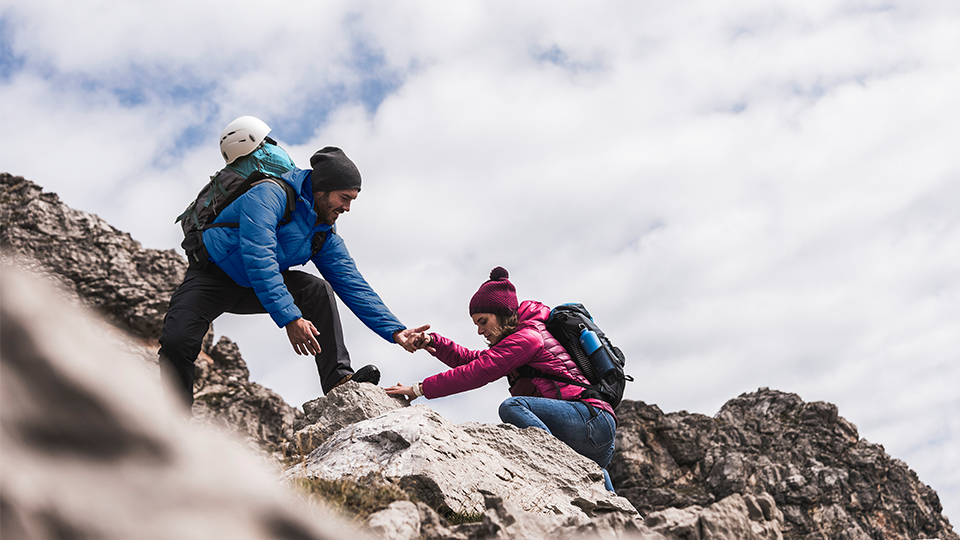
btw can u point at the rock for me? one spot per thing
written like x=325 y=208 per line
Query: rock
x=449 y=466
x=399 y=521
x=733 y=518
x=346 y=404
x=804 y=456
x=225 y=399
x=129 y=285
x=90 y=447
x=505 y=519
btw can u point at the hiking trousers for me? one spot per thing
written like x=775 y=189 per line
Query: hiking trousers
x=206 y=294
x=591 y=433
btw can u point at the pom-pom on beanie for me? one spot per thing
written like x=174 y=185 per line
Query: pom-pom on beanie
x=333 y=170
x=497 y=296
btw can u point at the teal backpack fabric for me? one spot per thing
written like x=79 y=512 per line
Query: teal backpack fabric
x=269 y=159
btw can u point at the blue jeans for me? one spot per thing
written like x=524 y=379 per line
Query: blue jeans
x=569 y=421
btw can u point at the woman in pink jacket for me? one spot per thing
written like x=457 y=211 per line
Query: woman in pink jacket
x=517 y=337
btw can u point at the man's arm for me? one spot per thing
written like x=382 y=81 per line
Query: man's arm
x=339 y=269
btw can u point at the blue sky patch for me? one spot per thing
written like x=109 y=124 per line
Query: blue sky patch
x=10 y=62
x=553 y=55
x=377 y=80
x=558 y=57
x=307 y=118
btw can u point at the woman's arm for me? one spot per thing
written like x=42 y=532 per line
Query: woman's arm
x=486 y=366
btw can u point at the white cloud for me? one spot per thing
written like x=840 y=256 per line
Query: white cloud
x=744 y=194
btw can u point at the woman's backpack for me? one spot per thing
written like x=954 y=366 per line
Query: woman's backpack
x=599 y=360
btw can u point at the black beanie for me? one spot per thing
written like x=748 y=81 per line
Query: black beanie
x=333 y=170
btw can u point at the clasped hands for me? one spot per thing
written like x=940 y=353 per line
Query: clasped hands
x=303 y=336
x=414 y=339
x=411 y=340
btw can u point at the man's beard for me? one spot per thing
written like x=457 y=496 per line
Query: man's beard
x=324 y=209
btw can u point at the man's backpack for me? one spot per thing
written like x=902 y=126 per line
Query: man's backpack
x=224 y=188
x=602 y=364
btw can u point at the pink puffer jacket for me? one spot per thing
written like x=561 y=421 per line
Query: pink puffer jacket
x=530 y=344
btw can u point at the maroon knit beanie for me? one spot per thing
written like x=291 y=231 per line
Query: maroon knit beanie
x=497 y=296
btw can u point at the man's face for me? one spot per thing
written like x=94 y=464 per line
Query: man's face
x=330 y=204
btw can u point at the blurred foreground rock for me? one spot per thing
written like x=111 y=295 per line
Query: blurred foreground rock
x=90 y=448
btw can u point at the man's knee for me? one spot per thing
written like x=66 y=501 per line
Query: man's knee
x=182 y=337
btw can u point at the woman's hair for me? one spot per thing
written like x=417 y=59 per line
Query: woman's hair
x=507 y=325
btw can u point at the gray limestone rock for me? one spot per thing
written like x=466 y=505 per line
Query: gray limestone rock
x=450 y=466
x=733 y=518
x=399 y=521
x=346 y=404
x=504 y=520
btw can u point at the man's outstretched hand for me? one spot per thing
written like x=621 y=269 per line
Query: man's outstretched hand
x=303 y=337
x=410 y=338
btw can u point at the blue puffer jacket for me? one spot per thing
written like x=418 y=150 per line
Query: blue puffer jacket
x=255 y=253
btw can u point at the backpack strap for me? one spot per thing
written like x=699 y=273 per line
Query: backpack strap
x=317 y=243
x=257 y=178
x=527 y=372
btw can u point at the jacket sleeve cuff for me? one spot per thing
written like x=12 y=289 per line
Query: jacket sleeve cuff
x=287 y=316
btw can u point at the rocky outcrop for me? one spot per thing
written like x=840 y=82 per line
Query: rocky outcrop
x=131 y=287
x=734 y=518
x=828 y=482
x=450 y=466
x=106 y=268
x=741 y=517
x=225 y=398
x=348 y=404
x=84 y=455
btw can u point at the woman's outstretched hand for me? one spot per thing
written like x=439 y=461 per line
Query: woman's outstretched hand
x=423 y=340
x=401 y=390
x=407 y=338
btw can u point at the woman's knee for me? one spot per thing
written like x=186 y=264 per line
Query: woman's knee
x=507 y=409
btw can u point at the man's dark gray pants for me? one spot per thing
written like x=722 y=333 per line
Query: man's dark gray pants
x=206 y=294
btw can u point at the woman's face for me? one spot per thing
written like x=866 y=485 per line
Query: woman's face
x=487 y=326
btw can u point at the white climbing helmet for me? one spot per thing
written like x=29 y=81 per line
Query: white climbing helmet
x=242 y=136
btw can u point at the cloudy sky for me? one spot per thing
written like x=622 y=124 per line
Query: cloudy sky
x=744 y=193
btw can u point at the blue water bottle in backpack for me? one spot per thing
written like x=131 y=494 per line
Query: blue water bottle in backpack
x=597 y=352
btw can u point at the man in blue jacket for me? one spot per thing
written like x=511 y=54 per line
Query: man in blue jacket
x=250 y=273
